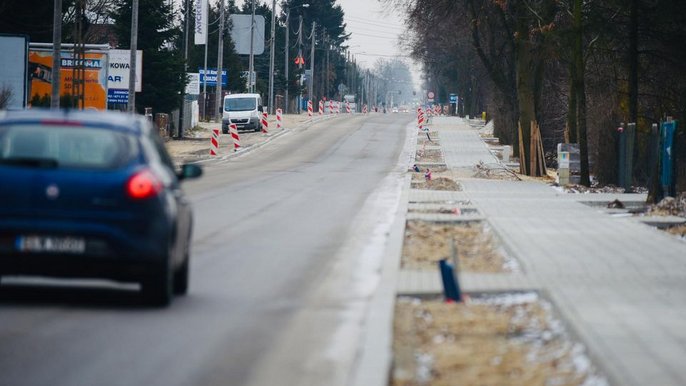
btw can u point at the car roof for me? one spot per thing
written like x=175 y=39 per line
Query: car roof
x=246 y=95
x=106 y=119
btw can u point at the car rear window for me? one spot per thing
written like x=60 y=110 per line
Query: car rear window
x=68 y=146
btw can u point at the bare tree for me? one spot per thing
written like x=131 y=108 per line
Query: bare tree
x=5 y=96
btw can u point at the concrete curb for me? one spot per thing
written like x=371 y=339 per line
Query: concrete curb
x=374 y=364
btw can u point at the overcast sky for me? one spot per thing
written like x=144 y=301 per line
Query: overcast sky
x=375 y=30
x=374 y=27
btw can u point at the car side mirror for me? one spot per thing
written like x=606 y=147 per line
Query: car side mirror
x=189 y=171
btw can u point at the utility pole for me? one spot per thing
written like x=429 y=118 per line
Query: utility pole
x=132 y=58
x=285 y=59
x=185 y=68
x=204 y=78
x=300 y=45
x=56 y=48
x=271 y=59
x=220 y=54
x=251 y=67
x=326 y=80
x=310 y=89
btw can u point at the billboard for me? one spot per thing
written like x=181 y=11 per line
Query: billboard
x=13 y=62
x=118 y=75
x=212 y=77
x=95 y=76
x=240 y=34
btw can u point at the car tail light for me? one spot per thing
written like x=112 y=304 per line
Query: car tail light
x=144 y=184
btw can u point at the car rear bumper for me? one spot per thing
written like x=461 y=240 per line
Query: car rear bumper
x=110 y=252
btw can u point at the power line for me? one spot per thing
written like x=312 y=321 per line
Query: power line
x=374 y=22
x=374 y=31
x=375 y=36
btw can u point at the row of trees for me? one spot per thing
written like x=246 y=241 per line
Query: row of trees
x=577 y=68
x=161 y=39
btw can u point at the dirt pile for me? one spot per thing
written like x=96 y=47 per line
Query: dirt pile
x=436 y=183
x=669 y=206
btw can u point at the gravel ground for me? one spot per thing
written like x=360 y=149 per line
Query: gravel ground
x=507 y=339
x=427 y=243
x=430 y=155
x=437 y=182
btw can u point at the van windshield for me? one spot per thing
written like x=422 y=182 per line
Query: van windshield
x=240 y=104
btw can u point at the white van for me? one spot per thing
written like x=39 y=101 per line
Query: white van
x=244 y=110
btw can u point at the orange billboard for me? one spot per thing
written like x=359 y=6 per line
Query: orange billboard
x=95 y=77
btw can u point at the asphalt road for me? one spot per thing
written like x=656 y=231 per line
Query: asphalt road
x=286 y=253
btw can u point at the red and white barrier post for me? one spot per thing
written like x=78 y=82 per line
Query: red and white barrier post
x=233 y=129
x=347 y=107
x=321 y=107
x=278 y=119
x=214 y=142
x=330 y=106
x=364 y=109
x=265 y=123
x=309 y=108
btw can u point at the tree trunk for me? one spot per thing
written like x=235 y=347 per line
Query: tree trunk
x=633 y=62
x=525 y=59
x=580 y=89
x=572 y=109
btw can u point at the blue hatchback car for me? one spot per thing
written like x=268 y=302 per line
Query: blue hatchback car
x=93 y=195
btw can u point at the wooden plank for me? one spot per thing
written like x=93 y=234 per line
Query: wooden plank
x=522 y=159
x=532 y=149
x=544 y=171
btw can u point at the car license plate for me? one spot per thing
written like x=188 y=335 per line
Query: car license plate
x=51 y=244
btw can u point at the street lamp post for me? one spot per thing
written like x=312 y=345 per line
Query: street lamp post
x=271 y=59
x=56 y=55
x=288 y=32
x=251 y=68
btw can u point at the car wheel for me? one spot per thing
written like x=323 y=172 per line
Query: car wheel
x=181 y=277
x=157 y=287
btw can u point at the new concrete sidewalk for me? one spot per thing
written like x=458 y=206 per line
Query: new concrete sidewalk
x=620 y=284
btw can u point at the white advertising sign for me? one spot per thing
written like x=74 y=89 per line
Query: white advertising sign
x=118 y=71
x=200 y=22
x=193 y=85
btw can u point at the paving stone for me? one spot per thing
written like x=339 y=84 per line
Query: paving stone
x=619 y=284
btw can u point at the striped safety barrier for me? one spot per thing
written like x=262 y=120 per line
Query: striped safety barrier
x=309 y=108
x=347 y=107
x=330 y=106
x=265 y=123
x=214 y=142
x=278 y=119
x=321 y=107
x=233 y=129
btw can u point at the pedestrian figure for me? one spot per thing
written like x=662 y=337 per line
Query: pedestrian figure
x=416 y=168
x=427 y=175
